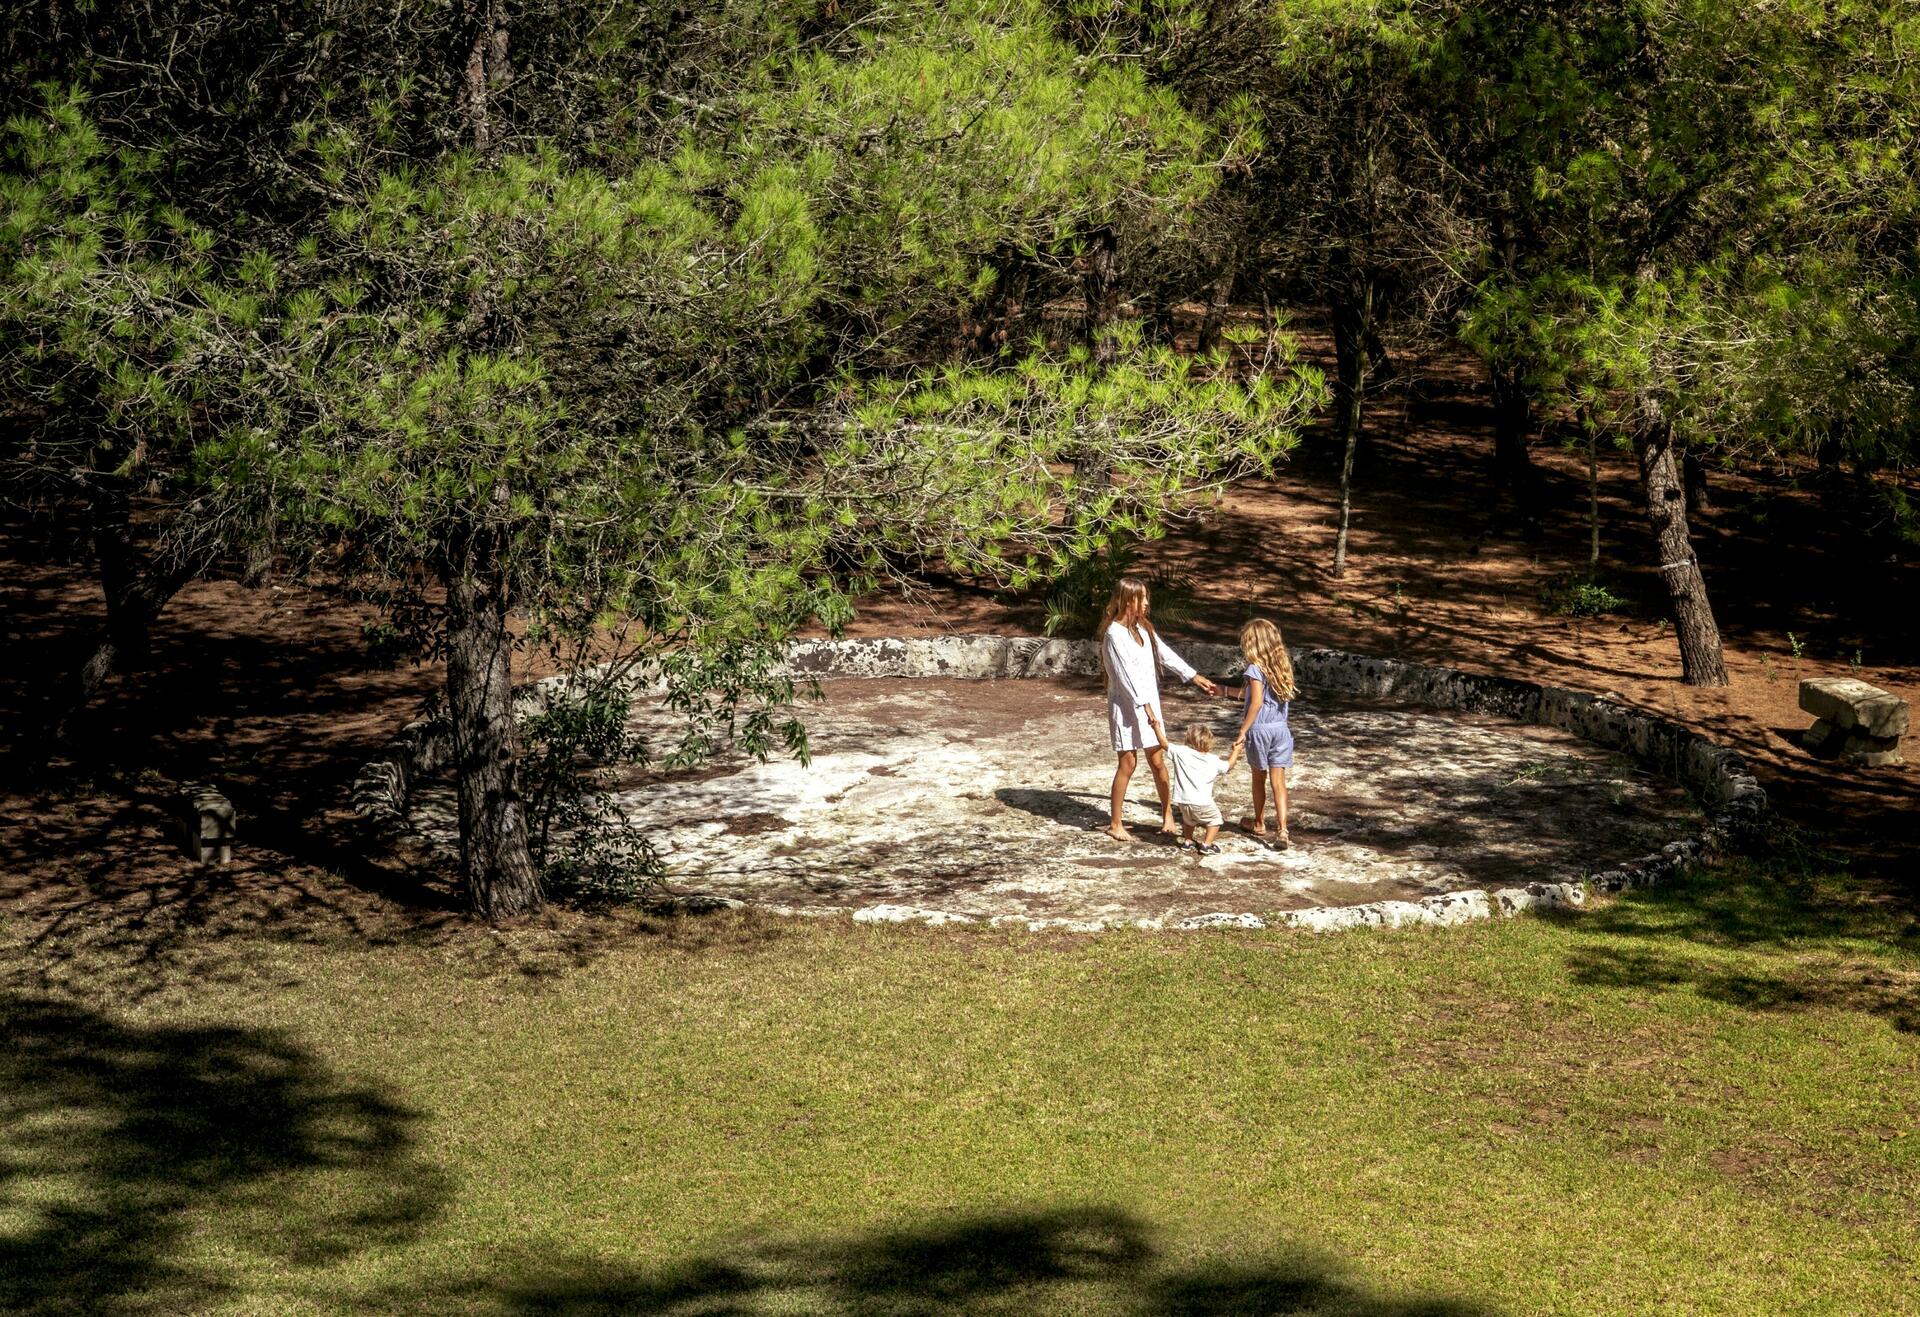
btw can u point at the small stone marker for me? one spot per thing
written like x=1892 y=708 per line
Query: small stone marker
x=1857 y=722
x=206 y=823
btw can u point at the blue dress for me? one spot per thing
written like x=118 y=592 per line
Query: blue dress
x=1269 y=740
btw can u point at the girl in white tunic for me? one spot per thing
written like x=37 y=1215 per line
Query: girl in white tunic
x=1132 y=653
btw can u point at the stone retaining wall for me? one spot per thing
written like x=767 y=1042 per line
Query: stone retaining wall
x=1735 y=802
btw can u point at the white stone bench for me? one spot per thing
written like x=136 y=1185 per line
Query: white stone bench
x=1859 y=723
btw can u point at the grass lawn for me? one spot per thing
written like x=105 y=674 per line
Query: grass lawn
x=1700 y=1099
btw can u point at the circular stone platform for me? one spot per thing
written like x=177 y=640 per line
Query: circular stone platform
x=987 y=800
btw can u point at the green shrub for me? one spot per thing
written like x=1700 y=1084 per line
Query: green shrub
x=1580 y=594
x=383 y=645
x=585 y=846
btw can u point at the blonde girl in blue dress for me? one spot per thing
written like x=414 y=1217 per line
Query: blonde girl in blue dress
x=1264 y=733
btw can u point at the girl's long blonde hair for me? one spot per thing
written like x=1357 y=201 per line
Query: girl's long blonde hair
x=1261 y=643
x=1129 y=601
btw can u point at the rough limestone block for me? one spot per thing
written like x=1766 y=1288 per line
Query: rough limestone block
x=1222 y=920
x=1849 y=704
x=1033 y=925
x=906 y=914
x=206 y=821
x=1459 y=907
x=1539 y=896
x=1449 y=908
x=1399 y=914
x=1324 y=918
x=1829 y=740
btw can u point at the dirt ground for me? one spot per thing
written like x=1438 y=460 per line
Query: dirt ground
x=989 y=800
x=267 y=689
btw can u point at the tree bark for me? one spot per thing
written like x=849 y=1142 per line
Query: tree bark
x=1702 y=662
x=1101 y=285
x=1694 y=472
x=999 y=323
x=135 y=591
x=474 y=74
x=496 y=865
x=122 y=647
x=1219 y=302
x=1379 y=364
x=1514 y=474
x=1351 y=323
x=496 y=861
x=1593 y=495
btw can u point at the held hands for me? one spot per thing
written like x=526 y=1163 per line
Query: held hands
x=1207 y=684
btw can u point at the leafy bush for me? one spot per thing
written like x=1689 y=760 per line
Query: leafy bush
x=575 y=743
x=1580 y=594
x=382 y=645
x=1899 y=526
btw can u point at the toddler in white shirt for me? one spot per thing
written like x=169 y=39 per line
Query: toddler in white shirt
x=1195 y=768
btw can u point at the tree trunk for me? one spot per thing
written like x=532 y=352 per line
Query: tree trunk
x=135 y=591
x=484 y=68
x=1701 y=660
x=1379 y=365
x=999 y=323
x=1101 y=284
x=122 y=647
x=1514 y=474
x=1694 y=472
x=1219 y=302
x=1350 y=328
x=1593 y=495
x=496 y=865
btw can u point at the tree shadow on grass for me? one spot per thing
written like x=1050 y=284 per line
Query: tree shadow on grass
x=1779 y=935
x=123 y=1145
x=1075 y=1259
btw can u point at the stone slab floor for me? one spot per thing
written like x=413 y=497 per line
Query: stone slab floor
x=988 y=798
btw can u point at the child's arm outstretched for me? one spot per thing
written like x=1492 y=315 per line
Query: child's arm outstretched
x=1233 y=755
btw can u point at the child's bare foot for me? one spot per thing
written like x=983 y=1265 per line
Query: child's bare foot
x=1119 y=833
x=1168 y=828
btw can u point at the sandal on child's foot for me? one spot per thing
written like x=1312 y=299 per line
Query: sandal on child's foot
x=1282 y=842
x=1254 y=826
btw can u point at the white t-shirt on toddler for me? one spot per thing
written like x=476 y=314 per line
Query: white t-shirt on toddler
x=1194 y=773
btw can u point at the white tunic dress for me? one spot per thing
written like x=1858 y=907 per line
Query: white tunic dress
x=1133 y=686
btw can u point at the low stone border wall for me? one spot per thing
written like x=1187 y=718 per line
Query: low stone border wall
x=1735 y=802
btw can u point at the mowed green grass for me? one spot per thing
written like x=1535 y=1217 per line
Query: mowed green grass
x=1700 y=1099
